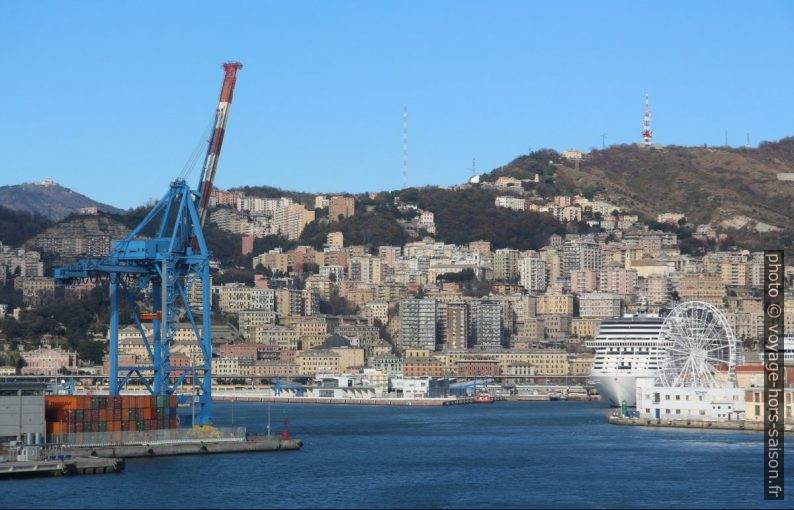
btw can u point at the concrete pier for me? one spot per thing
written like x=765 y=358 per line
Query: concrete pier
x=252 y=444
x=693 y=424
x=417 y=402
x=66 y=467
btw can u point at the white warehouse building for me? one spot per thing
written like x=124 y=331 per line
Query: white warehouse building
x=689 y=403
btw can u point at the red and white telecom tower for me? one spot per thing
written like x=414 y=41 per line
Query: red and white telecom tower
x=647 y=134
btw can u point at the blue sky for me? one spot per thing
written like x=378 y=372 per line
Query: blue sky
x=110 y=98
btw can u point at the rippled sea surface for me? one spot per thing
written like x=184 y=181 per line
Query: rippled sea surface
x=507 y=454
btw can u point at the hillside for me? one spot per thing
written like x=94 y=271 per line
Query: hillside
x=80 y=235
x=49 y=199
x=470 y=215
x=17 y=227
x=461 y=216
x=722 y=185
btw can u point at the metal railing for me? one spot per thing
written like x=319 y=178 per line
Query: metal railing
x=148 y=437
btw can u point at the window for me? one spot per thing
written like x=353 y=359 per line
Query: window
x=758 y=410
x=702 y=412
x=678 y=397
x=677 y=411
x=667 y=397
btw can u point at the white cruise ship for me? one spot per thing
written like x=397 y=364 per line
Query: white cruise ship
x=625 y=348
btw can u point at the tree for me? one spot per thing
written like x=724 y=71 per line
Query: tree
x=459 y=277
x=16 y=227
x=92 y=351
x=310 y=267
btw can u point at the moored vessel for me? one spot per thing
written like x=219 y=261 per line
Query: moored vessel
x=625 y=348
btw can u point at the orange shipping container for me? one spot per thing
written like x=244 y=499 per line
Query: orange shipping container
x=69 y=402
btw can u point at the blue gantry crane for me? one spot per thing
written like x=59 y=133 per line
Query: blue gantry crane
x=154 y=275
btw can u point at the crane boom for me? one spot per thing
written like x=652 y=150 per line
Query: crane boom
x=214 y=148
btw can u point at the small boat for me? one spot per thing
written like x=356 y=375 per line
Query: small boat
x=483 y=398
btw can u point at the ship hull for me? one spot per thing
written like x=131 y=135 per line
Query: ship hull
x=617 y=388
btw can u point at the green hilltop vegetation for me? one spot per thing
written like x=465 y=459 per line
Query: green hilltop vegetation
x=470 y=214
x=707 y=184
x=73 y=322
x=16 y=227
x=298 y=197
x=374 y=228
x=460 y=216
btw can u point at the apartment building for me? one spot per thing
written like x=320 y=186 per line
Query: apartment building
x=555 y=302
x=418 y=323
x=599 y=305
x=533 y=274
x=505 y=264
x=339 y=206
x=486 y=324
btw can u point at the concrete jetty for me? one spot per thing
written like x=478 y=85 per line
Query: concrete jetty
x=408 y=402
x=693 y=424
x=60 y=467
x=193 y=447
x=418 y=402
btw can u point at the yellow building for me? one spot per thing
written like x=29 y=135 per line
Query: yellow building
x=702 y=287
x=754 y=405
x=350 y=358
x=416 y=353
x=555 y=303
x=318 y=361
x=546 y=362
x=585 y=328
x=579 y=365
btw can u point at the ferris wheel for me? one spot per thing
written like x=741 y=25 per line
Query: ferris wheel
x=699 y=347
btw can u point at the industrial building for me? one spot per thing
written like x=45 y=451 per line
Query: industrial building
x=22 y=412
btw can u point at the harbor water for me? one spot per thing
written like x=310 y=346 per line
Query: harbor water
x=506 y=454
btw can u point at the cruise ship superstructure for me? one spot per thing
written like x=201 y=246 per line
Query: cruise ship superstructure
x=626 y=348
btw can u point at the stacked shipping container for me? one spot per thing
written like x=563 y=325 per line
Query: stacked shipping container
x=90 y=413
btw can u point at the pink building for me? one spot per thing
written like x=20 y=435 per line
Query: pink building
x=248 y=245
x=46 y=361
x=583 y=281
x=225 y=197
x=79 y=290
x=124 y=360
x=180 y=364
x=562 y=200
x=618 y=281
x=287 y=355
x=244 y=350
